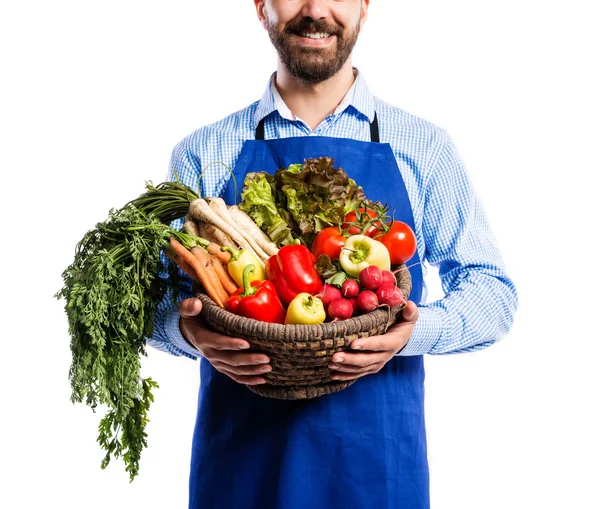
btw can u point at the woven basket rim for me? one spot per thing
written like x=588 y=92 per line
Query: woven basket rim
x=288 y=332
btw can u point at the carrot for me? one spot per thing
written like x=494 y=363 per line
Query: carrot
x=206 y=275
x=228 y=283
x=183 y=265
x=215 y=249
x=206 y=262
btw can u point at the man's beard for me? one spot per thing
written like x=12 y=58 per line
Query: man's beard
x=312 y=64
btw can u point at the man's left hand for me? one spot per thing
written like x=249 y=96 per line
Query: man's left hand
x=374 y=352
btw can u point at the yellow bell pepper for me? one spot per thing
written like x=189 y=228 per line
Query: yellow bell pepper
x=305 y=309
x=238 y=262
x=360 y=251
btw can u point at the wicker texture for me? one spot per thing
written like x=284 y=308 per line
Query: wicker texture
x=300 y=353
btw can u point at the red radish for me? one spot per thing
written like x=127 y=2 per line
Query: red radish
x=327 y=293
x=355 y=309
x=350 y=288
x=370 y=277
x=367 y=301
x=387 y=277
x=340 y=309
x=390 y=295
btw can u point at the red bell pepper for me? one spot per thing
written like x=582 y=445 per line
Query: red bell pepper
x=292 y=270
x=258 y=300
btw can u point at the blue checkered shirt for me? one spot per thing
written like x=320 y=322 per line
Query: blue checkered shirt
x=451 y=228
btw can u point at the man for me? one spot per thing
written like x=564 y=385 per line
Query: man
x=363 y=447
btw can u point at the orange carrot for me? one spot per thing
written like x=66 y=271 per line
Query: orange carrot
x=207 y=264
x=183 y=265
x=215 y=249
x=228 y=283
x=206 y=275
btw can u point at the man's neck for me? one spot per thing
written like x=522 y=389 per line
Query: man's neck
x=314 y=102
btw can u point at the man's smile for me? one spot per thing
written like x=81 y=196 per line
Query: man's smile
x=315 y=39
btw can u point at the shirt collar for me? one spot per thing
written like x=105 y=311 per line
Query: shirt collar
x=359 y=97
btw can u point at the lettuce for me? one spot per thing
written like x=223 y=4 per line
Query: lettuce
x=259 y=203
x=301 y=200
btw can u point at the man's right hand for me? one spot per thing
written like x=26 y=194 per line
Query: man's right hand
x=223 y=352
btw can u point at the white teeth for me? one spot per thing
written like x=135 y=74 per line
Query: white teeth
x=316 y=36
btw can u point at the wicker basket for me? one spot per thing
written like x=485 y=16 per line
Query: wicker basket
x=300 y=353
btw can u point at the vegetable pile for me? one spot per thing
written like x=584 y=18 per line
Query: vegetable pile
x=304 y=246
x=298 y=202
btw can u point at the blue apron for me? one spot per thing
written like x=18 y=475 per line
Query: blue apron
x=363 y=447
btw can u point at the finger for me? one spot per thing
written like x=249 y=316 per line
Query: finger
x=343 y=377
x=225 y=343
x=189 y=308
x=395 y=337
x=359 y=359
x=238 y=359
x=410 y=313
x=246 y=380
x=373 y=344
x=340 y=368
x=241 y=370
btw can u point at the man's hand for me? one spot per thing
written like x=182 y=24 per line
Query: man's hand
x=376 y=350
x=223 y=352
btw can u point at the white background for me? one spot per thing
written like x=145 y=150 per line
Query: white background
x=96 y=94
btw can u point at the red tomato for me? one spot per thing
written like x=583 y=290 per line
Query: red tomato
x=400 y=241
x=328 y=241
x=372 y=230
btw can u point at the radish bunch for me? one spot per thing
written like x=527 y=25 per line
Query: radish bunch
x=379 y=289
x=375 y=288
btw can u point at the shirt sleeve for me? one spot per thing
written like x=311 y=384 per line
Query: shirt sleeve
x=480 y=299
x=167 y=336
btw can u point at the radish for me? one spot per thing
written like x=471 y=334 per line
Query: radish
x=340 y=309
x=387 y=277
x=355 y=309
x=327 y=293
x=350 y=288
x=390 y=295
x=367 y=301
x=370 y=277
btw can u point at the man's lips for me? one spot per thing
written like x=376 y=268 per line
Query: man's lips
x=318 y=41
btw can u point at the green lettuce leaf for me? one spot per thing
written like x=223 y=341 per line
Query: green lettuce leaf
x=318 y=196
x=259 y=203
x=299 y=201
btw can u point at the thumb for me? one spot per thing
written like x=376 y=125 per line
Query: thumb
x=190 y=308
x=410 y=313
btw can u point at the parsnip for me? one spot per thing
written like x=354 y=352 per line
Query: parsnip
x=200 y=210
x=189 y=226
x=261 y=238
x=219 y=206
x=222 y=238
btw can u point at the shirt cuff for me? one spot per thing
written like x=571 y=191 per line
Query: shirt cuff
x=173 y=333
x=427 y=332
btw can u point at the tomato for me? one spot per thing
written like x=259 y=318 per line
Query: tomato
x=400 y=241
x=372 y=230
x=328 y=241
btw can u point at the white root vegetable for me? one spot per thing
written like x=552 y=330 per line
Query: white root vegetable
x=219 y=206
x=200 y=211
x=205 y=233
x=189 y=226
x=249 y=226
x=222 y=238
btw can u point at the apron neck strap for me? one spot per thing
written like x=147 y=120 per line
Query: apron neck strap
x=260 y=130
